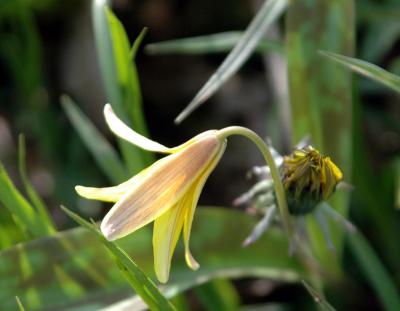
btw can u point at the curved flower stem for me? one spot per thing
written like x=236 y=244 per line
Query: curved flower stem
x=279 y=190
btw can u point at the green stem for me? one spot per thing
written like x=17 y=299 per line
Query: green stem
x=279 y=189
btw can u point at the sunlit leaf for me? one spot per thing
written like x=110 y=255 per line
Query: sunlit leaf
x=141 y=283
x=266 y=15
x=103 y=153
x=72 y=268
x=216 y=43
x=367 y=69
x=120 y=79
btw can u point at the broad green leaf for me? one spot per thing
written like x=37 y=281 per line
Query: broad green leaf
x=375 y=272
x=142 y=284
x=367 y=69
x=120 y=79
x=216 y=43
x=72 y=268
x=318 y=298
x=266 y=15
x=103 y=153
x=37 y=202
x=26 y=216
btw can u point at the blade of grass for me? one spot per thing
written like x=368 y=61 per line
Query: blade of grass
x=19 y=304
x=268 y=13
x=25 y=214
x=137 y=43
x=103 y=153
x=375 y=272
x=141 y=283
x=120 y=79
x=33 y=196
x=216 y=43
x=318 y=298
x=366 y=69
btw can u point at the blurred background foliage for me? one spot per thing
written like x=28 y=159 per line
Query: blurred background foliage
x=49 y=48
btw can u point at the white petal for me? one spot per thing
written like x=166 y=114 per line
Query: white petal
x=120 y=129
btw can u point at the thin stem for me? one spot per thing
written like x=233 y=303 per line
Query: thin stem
x=279 y=190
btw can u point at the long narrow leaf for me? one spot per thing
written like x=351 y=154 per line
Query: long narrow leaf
x=142 y=284
x=366 y=69
x=103 y=153
x=375 y=272
x=318 y=298
x=72 y=268
x=216 y=43
x=24 y=213
x=268 y=13
x=33 y=196
x=121 y=87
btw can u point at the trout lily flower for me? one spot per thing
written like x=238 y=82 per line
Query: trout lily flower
x=166 y=192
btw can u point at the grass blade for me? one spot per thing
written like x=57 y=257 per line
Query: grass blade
x=33 y=196
x=216 y=43
x=137 y=43
x=268 y=13
x=375 y=272
x=367 y=69
x=103 y=153
x=19 y=304
x=120 y=80
x=142 y=284
x=24 y=213
x=318 y=298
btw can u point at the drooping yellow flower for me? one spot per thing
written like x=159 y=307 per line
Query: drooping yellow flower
x=308 y=178
x=166 y=192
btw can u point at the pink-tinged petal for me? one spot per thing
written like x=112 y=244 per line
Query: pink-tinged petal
x=193 y=197
x=163 y=185
x=166 y=231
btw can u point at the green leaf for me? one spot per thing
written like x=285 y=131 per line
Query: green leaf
x=218 y=295
x=72 y=268
x=26 y=216
x=137 y=43
x=142 y=284
x=103 y=153
x=216 y=43
x=318 y=298
x=375 y=272
x=367 y=69
x=19 y=304
x=266 y=15
x=37 y=202
x=120 y=80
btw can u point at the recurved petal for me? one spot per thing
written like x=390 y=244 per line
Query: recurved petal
x=109 y=194
x=190 y=206
x=162 y=186
x=166 y=232
x=120 y=129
